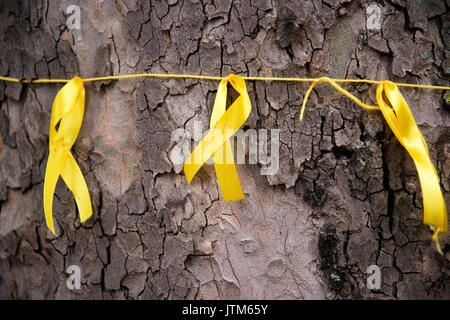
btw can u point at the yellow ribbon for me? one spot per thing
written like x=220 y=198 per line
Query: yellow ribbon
x=401 y=121
x=224 y=123
x=67 y=110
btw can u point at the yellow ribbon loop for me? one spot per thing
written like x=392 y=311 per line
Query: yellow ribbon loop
x=224 y=123
x=67 y=110
x=400 y=119
x=402 y=123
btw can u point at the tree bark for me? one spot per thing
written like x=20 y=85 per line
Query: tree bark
x=346 y=195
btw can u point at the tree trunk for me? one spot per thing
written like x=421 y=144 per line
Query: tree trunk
x=346 y=195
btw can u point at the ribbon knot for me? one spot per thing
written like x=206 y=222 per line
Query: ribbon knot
x=67 y=111
x=223 y=124
x=401 y=121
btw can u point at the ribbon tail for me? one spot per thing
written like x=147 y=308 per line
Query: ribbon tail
x=202 y=152
x=226 y=173
x=433 y=201
x=73 y=177
x=436 y=241
x=434 y=210
x=54 y=166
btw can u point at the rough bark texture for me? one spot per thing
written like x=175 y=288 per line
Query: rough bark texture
x=346 y=196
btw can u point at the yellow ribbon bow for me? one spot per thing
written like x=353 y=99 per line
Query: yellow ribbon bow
x=224 y=123
x=67 y=110
x=401 y=121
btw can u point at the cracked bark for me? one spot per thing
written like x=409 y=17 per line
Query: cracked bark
x=346 y=196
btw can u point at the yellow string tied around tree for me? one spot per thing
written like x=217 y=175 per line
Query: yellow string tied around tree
x=67 y=111
x=401 y=121
x=223 y=124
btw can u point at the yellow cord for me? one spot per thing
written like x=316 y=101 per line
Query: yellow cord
x=187 y=76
